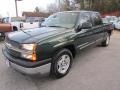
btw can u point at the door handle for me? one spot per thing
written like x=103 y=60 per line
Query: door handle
x=84 y=30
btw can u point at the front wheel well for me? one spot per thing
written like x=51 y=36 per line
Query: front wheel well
x=69 y=47
x=72 y=49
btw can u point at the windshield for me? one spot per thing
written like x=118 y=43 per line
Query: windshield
x=65 y=19
x=15 y=19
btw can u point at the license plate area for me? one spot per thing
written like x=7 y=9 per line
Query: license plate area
x=7 y=62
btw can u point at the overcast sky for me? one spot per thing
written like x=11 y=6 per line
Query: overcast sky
x=7 y=7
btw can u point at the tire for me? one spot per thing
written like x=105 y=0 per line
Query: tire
x=106 y=41
x=2 y=37
x=61 y=66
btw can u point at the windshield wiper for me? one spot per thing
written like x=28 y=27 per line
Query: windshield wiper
x=58 y=26
x=25 y=32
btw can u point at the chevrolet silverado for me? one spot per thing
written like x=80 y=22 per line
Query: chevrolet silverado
x=58 y=40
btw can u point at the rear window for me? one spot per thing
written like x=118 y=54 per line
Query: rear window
x=96 y=19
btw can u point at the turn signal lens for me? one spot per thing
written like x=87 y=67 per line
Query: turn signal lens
x=33 y=57
x=34 y=53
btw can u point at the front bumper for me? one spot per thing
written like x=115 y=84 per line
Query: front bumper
x=25 y=66
x=31 y=71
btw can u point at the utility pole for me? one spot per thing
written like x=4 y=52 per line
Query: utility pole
x=16 y=7
x=59 y=4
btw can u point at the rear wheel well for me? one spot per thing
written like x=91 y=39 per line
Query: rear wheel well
x=72 y=49
x=15 y=28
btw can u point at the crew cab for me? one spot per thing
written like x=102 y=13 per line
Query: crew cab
x=58 y=40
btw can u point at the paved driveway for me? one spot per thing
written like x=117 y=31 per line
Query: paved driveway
x=95 y=68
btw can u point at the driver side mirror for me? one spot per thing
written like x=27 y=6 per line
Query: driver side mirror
x=85 y=25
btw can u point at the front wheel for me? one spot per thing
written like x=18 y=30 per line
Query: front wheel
x=61 y=63
x=107 y=40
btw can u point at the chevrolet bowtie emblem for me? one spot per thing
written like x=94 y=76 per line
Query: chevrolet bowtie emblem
x=9 y=45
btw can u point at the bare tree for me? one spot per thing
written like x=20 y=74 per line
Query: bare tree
x=52 y=8
x=96 y=5
x=38 y=9
x=64 y=5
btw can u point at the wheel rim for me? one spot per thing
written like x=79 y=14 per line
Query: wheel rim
x=107 y=40
x=63 y=64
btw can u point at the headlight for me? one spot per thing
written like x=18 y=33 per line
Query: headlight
x=27 y=55
x=31 y=53
x=29 y=47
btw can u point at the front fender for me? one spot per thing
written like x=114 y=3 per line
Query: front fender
x=63 y=44
x=48 y=50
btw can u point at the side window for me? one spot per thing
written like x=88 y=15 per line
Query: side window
x=96 y=19
x=84 y=17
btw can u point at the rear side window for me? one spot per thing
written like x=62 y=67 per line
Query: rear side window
x=96 y=19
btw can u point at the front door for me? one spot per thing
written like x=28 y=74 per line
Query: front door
x=84 y=37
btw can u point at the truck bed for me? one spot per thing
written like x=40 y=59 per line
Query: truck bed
x=5 y=27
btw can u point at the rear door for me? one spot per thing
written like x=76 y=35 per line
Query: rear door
x=98 y=27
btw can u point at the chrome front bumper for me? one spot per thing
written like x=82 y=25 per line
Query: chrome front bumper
x=41 y=69
x=23 y=66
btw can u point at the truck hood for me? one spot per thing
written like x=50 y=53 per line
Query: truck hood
x=36 y=34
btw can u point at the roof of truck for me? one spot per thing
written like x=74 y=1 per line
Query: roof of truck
x=81 y=11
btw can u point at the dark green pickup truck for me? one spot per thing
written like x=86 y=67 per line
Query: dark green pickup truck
x=58 y=40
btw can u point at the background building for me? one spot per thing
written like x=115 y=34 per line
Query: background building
x=34 y=16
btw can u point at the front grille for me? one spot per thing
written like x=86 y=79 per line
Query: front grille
x=12 y=47
x=13 y=52
x=13 y=43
